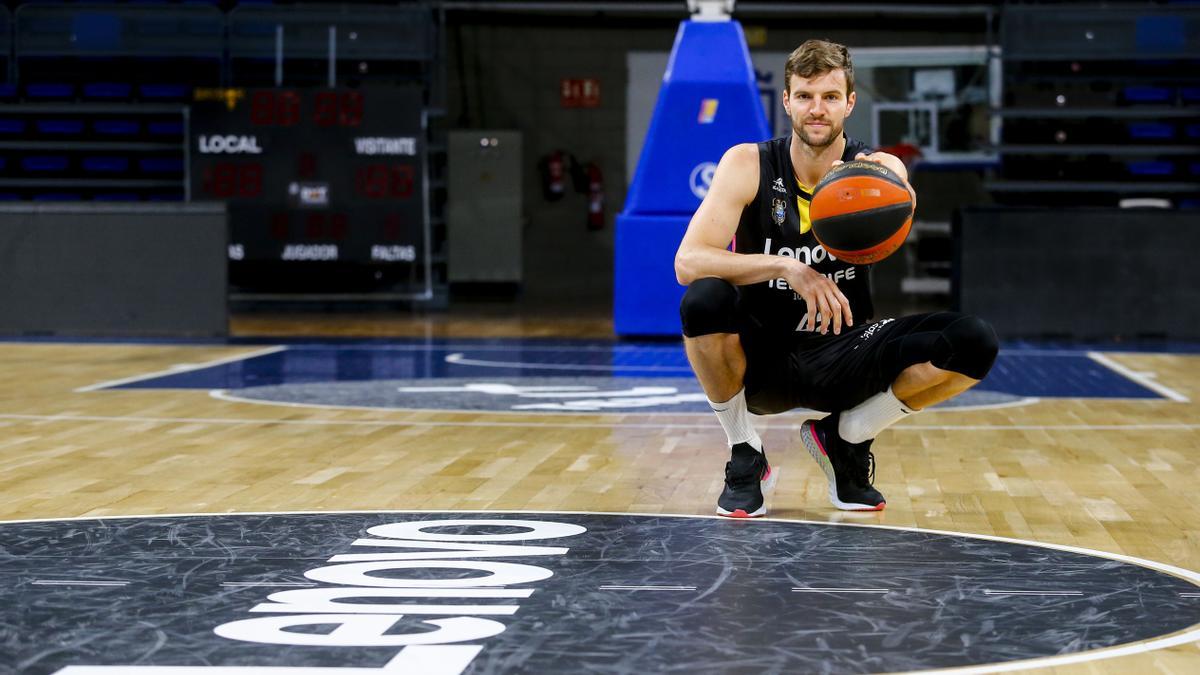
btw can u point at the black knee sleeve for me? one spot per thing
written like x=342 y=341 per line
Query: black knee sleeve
x=709 y=306
x=972 y=347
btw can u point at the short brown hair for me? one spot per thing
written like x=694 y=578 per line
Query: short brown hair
x=816 y=57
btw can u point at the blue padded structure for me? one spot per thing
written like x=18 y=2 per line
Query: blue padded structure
x=50 y=90
x=1151 y=130
x=117 y=127
x=171 y=92
x=96 y=31
x=160 y=165
x=106 y=164
x=170 y=128
x=12 y=126
x=107 y=90
x=1147 y=94
x=1161 y=33
x=709 y=101
x=60 y=127
x=1151 y=168
x=45 y=163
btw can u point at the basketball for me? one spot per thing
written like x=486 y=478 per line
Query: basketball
x=861 y=212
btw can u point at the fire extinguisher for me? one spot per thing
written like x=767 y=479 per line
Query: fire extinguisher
x=554 y=174
x=595 y=197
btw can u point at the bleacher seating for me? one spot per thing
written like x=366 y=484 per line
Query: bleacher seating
x=103 y=84
x=1100 y=105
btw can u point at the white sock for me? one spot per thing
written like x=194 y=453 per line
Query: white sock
x=865 y=420
x=735 y=420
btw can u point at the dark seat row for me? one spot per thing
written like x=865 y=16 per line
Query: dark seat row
x=1165 y=131
x=1160 y=94
x=213 y=3
x=97 y=91
x=58 y=196
x=44 y=164
x=1162 y=168
x=15 y=126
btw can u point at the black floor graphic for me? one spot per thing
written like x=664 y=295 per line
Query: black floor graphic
x=444 y=593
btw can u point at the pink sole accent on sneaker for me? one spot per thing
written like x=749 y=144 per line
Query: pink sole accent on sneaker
x=812 y=429
x=769 y=478
x=739 y=513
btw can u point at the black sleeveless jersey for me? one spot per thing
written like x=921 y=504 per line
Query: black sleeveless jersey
x=777 y=223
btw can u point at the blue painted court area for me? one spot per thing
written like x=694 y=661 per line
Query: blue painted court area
x=1021 y=370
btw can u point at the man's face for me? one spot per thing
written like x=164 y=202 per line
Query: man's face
x=818 y=107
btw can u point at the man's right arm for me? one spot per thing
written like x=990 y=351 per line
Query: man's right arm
x=704 y=249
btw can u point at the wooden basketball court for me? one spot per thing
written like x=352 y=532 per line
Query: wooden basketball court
x=1116 y=475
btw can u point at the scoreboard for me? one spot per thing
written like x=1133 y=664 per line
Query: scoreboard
x=325 y=187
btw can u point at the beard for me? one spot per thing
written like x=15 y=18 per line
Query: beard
x=834 y=132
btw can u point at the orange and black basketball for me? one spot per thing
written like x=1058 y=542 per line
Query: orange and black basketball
x=861 y=212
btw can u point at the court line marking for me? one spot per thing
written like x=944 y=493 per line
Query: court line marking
x=630 y=348
x=647 y=588
x=515 y=346
x=78 y=582
x=1191 y=634
x=458 y=358
x=182 y=368
x=225 y=395
x=1166 y=426
x=1145 y=379
x=1068 y=593
x=522 y=344
x=841 y=590
x=256 y=584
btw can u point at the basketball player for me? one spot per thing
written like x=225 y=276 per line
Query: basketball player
x=776 y=323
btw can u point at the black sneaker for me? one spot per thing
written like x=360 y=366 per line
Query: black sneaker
x=747 y=475
x=849 y=467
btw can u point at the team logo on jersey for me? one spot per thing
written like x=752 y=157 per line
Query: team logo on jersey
x=778 y=186
x=778 y=210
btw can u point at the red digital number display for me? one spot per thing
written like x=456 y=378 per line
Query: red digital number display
x=384 y=181
x=313 y=226
x=326 y=226
x=329 y=109
x=275 y=108
x=341 y=109
x=226 y=180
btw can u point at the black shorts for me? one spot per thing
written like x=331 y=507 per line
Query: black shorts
x=836 y=372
